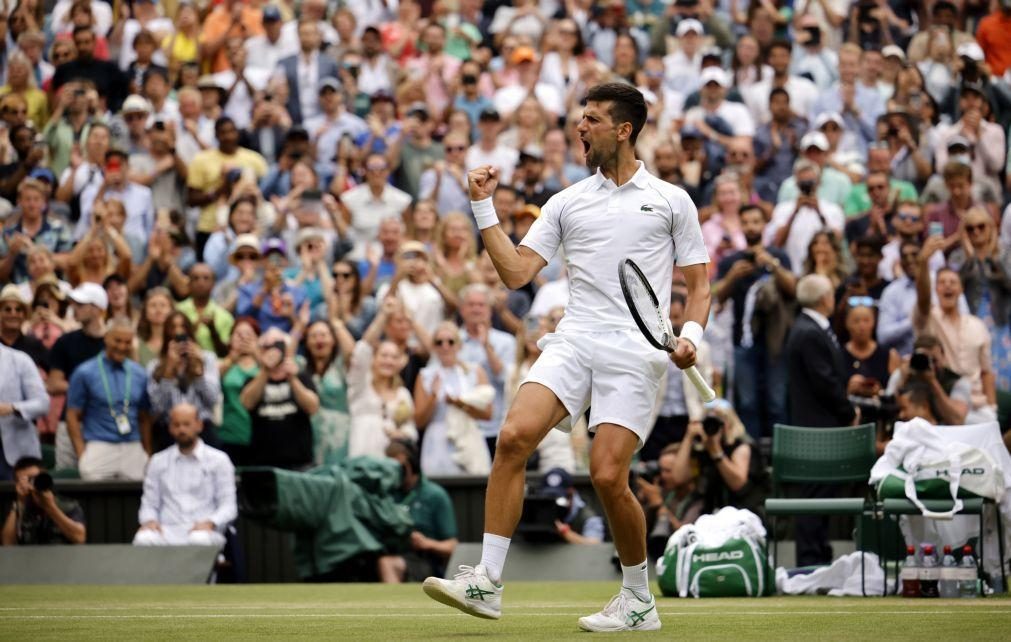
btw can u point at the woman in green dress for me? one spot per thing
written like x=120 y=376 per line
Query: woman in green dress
x=237 y=369
x=325 y=346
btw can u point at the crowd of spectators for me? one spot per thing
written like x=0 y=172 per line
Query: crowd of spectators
x=257 y=212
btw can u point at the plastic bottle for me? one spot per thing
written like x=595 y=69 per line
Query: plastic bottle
x=910 y=574
x=930 y=572
x=948 y=585
x=967 y=575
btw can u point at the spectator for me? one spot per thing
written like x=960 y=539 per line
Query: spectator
x=453 y=444
x=416 y=150
x=23 y=399
x=38 y=516
x=152 y=334
x=858 y=104
x=108 y=410
x=13 y=314
x=230 y=19
x=325 y=345
x=943 y=17
x=281 y=402
x=776 y=141
x=307 y=63
x=795 y=222
x=134 y=118
x=311 y=273
x=508 y=307
x=992 y=35
x=417 y=288
x=21 y=81
x=34 y=227
x=174 y=512
x=26 y=157
x=722 y=227
x=162 y=169
x=182 y=45
x=958 y=180
x=446 y=181
x=879 y=161
x=103 y=251
x=433 y=539
x=182 y=373
x=265 y=50
x=378 y=71
x=864 y=283
x=488 y=150
x=212 y=323
x=950 y=395
x=110 y=82
x=85 y=170
x=241 y=222
x=382 y=409
x=802 y=92
x=758 y=331
x=963 y=336
x=581 y=524
x=833 y=185
x=348 y=304
x=973 y=126
x=272 y=301
x=331 y=122
x=716 y=117
x=895 y=323
x=117 y=184
x=169 y=255
x=373 y=201
x=869 y=364
x=878 y=219
x=237 y=368
x=985 y=189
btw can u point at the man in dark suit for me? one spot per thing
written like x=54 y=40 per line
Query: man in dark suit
x=110 y=82
x=307 y=67
x=817 y=391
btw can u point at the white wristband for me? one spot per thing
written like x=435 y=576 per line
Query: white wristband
x=484 y=213
x=692 y=331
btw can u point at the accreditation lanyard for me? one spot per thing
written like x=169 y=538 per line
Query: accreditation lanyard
x=108 y=394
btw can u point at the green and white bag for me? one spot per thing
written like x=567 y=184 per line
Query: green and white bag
x=723 y=555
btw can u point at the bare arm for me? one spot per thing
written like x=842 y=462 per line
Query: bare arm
x=306 y=399
x=74 y=430
x=424 y=403
x=73 y=531
x=253 y=392
x=9 y=535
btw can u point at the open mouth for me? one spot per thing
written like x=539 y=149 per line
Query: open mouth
x=586 y=146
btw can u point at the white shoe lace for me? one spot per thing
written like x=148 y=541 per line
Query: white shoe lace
x=617 y=606
x=465 y=572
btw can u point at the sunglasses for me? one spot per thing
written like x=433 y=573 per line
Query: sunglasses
x=908 y=218
x=975 y=228
x=445 y=342
x=861 y=301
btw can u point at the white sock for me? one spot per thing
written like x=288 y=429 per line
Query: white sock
x=493 y=555
x=635 y=578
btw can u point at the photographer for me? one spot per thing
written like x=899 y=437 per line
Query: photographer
x=581 y=525
x=719 y=449
x=668 y=503
x=927 y=367
x=38 y=516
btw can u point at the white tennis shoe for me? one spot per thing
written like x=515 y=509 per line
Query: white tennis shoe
x=625 y=612
x=470 y=590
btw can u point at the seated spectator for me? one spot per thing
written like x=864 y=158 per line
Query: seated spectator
x=176 y=512
x=183 y=372
x=108 y=410
x=869 y=364
x=455 y=252
x=102 y=251
x=13 y=314
x=446 y=181
x=348 y=303
x=434 y=538
x=281 y=402
x=795 y=223
x=237 y=368
x=327 y=348
x=963 y=335
x=117 y=185
x=958 y=180
x=950 y=393
x=374 y=200
x=212 y=323
x=272 y=301
x=453 y=443
x=39 y=516
x=34 y=227
x=832 y=185
x=668 y=502
x=152 y=333
x=581 y=524
x=241 y=220
x=23 y=399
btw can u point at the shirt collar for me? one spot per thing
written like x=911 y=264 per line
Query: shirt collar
x=639 y=178
x=818 y=317
x=197 y=453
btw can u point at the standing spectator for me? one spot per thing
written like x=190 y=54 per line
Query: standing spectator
x=265 y=50
x=34 y=227
x=327 y=347
x=869 y=364
x=758 y=330
x=229 y=19
x=117 y=184
x=858 y=104
x=378 y=72
x=802 y=91
x=306 y=71
x=13 y=314
x=714 y=107
x=455 y=251
x=272 y=301
x=40 y=516
x=373 y=201
x=487 y=150
x=435 y=69
x=993 y=36
x=433 y=539
x=30 y=156
x=795 y=222
x=415 y=151
x=833 y=185
x=349 y=304
x=776 y=142
x=963 y=336
x=879 y=161
x=173 y=510
x=212 y=323
x=84 y=169
x=974 y=127
x=162 y=169
x=281 y=402
x=237 y=369
x=446 y=181
x=441 y=387
x=23 y=399
x=21 y=80
x=958 y=180
x=107 y=410
x=241 y=222
x=380 y=263
x=110 y=82
x=214 y=172
x=416 y=287
x=895 y=321
x=332 y=122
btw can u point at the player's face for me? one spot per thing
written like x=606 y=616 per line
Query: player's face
x=598 y=133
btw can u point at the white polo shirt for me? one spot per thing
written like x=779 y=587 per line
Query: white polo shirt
x=599 y=224
x=805 y=226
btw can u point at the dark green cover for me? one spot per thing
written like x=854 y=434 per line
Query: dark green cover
x=893 y=487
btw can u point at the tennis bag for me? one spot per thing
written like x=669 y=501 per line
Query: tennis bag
x=718 y=562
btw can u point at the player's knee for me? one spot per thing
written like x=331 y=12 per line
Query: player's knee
x=608 y=477
x=515 y=442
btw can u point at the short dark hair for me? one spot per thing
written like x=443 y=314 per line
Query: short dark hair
x=874 y=243
x=408 y=449
x=82 y=29
x=778 y=91
x=155 y=71
x=954 y=169
x=779 y=43
x=748 y=207
x=677 y=297
x=627 y=104
x=941 y=270
x=222 y=121
x=29 y=462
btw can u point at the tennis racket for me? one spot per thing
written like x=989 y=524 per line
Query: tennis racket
x=652 y=321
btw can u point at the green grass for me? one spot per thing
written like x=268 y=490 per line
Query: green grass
x=533 y=611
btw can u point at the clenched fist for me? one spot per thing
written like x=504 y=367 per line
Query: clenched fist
x=482 y=182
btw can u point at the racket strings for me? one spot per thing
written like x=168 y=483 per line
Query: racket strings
x=642 y=299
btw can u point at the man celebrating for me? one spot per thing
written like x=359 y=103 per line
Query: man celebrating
x=595 y=357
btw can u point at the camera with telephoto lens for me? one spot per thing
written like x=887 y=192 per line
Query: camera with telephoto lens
x=806 y=187
x=920 y=362
x=712 y=424
x=648 y=471
x=42 y=482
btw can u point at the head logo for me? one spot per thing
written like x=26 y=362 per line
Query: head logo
x=719 y=556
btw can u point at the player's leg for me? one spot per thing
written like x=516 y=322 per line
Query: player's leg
x=478 y=590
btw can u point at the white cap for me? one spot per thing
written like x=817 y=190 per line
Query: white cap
x=135 y=103
x=829 y=117
x=893 y=51
x=90 y=294
x=689 y=24
x=970 y=50
x=714 y=74
x=814 y=139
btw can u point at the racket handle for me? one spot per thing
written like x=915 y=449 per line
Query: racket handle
x=707 y=393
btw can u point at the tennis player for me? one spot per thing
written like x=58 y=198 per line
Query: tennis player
x=597 y=357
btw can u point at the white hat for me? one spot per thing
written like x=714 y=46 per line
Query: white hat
x=970 y=50
x=814 y=139
x=90 y=294
x=689 y=24
x=135 y=103
x=829 y=117
x=714 y=74
x=893 y=51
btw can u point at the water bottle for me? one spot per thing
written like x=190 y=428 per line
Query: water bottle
x=910 y=574
x=948 y=585
x=930 y=573
x=967 y=577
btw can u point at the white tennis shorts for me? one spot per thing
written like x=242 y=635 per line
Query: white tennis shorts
x=616 y=374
